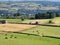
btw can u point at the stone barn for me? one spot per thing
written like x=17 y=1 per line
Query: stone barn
x=3 y=21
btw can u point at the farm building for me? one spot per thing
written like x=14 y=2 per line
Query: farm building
x=3 y=21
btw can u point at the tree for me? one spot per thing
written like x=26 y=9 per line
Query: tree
x=51 y=15
x=36 y=16
x=50 y=21
x=39 y=16
x=16 y=14
x=47 y=15
x=57 y=15
x=22 y=19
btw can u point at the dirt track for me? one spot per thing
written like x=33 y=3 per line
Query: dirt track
x=15 y=27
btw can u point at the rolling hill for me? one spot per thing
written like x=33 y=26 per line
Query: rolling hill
x=29 y=7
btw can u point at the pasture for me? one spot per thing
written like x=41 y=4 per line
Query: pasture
x=22 y=39
x=45 y=30
x=25 y=39
x=12 y=21
x=56 y=20
x=41 y=21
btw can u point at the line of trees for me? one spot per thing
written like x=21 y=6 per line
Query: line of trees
x=16 y=16
x=10 y=16
x=47 y=15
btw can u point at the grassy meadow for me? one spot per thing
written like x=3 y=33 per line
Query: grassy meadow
x=41 y=21
x=44 y=30
x=56 y=20
x=45 y=21
x=24 y=39
x=12 y=20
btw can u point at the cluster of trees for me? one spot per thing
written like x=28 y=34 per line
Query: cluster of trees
x=17 y=16
x=47 y=15
x=11 y=16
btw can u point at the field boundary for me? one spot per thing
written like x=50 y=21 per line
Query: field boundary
x=42 y=24
x=52 y=37
x=33 y=34
x=49 y=25
x=37 y=35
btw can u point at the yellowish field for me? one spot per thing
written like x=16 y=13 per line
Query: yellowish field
x=45 y=21
x=15 y=27
x=41 y=21
x=56 y=20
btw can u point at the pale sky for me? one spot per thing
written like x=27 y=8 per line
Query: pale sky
x=30 y=0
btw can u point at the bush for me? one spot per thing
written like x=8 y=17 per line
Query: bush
x=50 y=21
x=22 y=19
x=32 y=18
x=30 y=23
x=5 y=34
x=11 y=36
x=6 y=37
x=15 y=37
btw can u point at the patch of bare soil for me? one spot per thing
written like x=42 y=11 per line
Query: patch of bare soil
x=15 y=27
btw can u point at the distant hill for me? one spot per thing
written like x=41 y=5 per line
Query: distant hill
x=29 y=7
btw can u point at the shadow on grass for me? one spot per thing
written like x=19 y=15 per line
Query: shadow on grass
x=26 y=33
x=38 y=35
x=52 y=37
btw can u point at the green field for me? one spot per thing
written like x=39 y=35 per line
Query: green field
x=45 y=30
x=12 y=20
x=24 y=39
x=42 y=21
x=56 y=20
x=27 y=40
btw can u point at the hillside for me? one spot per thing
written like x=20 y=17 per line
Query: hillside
x=30 y=7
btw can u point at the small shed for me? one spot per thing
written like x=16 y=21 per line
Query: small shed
x=3 y=21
